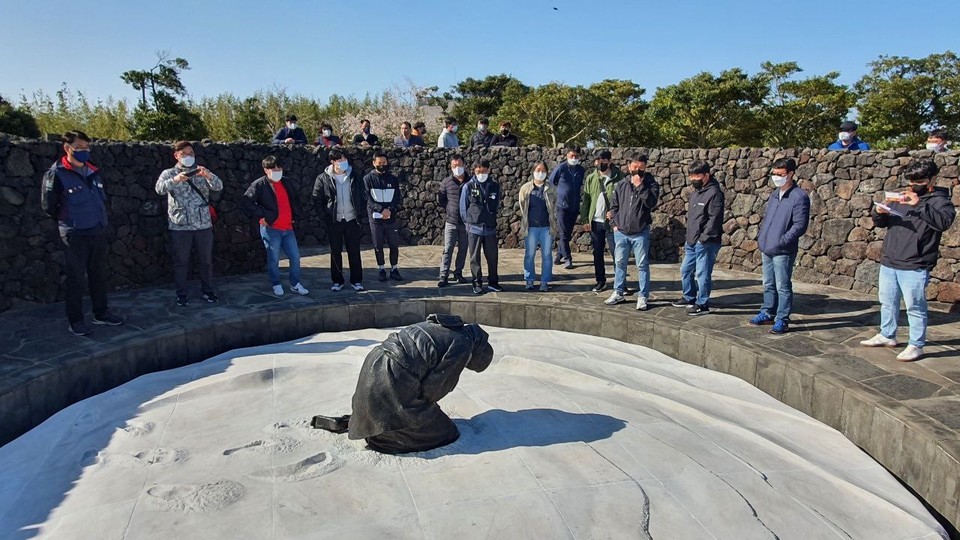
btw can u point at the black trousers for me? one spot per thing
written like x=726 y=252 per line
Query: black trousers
x=488 y=244
x=183 y=243
x=566 y=218
x=601 y=237
x=346 y=233
x=385 y=231
x=86 y=261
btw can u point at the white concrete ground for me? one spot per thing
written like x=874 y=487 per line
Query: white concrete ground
x=564 y=436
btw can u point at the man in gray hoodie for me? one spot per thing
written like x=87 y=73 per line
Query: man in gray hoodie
x=188 y=187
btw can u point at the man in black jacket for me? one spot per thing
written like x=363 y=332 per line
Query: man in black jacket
x=505 y=138
x=915 y=220
x=482 y=138
x=631 y=215
x=454 y=230
x=290 y=133
x=704 y=231
x=479 y=206
x=340 y=199
x=383 y=203
x=274 y=201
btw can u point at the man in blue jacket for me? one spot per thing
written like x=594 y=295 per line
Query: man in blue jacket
x=568 y=178
x=847 y=139
x=911 y=247
x=784 y=222
x=290 y=133
x=479 y=206
x=73 y=193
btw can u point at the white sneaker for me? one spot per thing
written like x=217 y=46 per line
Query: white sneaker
x=298 y=288
x=336 y=287
x=641 y=303
x=911 y=353
x=615 y=298
x=358 y=286
x=879 y=341
x=278 y=290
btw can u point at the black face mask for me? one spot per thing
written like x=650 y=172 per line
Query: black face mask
x=697 y=184
x=381 y=168
x=604 y=167
x=920 y=190
x=504 y=131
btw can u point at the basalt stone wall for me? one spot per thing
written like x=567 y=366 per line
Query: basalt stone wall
x=841 y=247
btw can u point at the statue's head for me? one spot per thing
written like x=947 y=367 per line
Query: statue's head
x=482 y=353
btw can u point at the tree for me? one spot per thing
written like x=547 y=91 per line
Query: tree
x=482 y=98
x=251 y=122
x=707 y=111
x=164 y=117
x=802 y=113
x=162 y=78
x=550 y=115
x=616 y=109
x=901 y=98
x=17 y=121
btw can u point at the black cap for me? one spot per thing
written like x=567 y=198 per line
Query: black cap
x=848 y=126
x=291 y=118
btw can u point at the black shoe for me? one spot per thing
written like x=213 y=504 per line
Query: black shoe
x=494 y=288
x=333 y=425
x=383 y=275
x=443 y=282
x=79 y=328
x=599 y=287
x=395 y=275
x=697 y=309
x=182 y=300
x=683 y=303
x=210 y=297
x=461 y=279
x=477 y=289
x=108 y=319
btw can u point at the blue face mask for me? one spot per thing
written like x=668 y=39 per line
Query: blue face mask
x=82 y=156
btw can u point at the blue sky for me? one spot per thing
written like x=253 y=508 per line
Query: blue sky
x=321 y=47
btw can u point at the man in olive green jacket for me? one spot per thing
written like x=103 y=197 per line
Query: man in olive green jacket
x=595 y=212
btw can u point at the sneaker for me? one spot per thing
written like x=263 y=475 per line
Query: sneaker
x=395 y=275
x=599 y=287
x=544 y=287
x=683 y=303
x=443 y=282
x=383 y=275
x=879 y=341
x=780 y=326
x=477 y=289
x=529 y=286
x=911 y=353
x=108 y=319
x=568 y=264
x=494 y=288
x=461 y=279
x=299 y=289
x=760 y=319
x=79 y=328
x=278 y=290
x=557 y=260
x=697 y=309
x=336 y=287
x=358 y=286
x=210 y=297
x=615 y=298
x=642 y=303
x=182 y=300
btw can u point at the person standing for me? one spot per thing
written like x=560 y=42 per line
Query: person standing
x=915 y=222
x=365 y=138
x=784 y=222
x=595 y=213
x=848 y=139
x=383 y=203
x=631 y=215
x=454 y=230
x=448 y=137
x=290 y=133
x=567 y=177
x=479 y=206
x=188 y=187
x=703 y=241
x=505 y=138
x=274 y=201
x=339 y=199
x=482 y=138
x=538 y=226
x=73 y=193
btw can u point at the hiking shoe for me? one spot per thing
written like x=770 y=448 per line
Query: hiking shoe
x=879 y=341
x=210 y=297
x=697 y=309
x=780 y=326
x=530 y=286
x=395 y=275
x=336 y=287
x=760 y=319
x=79 y=328
x=108 y=319
x=182 y=300
x=494 y=288
x=299 y=289
x=615 y=298
x=358 y=286
x=683 y=303
x=544 y=287
x=477 y=289
x=443 y=282
x=278 y=290
x=911 y=353
x=642 y=304
x=599 y=287
x=383 y=275
x=460 y=279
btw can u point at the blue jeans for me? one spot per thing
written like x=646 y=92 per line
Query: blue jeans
x=777 y=285
x=273 y=241
x=640 y=245
x=696 y=272
x=911 y=286
x=538 y=236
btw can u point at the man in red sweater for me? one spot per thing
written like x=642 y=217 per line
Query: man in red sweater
x=273 y=199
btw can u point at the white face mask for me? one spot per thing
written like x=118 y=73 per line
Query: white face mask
x=275 y=175
x=482 y=128
x=482 y=177
x=454 y=128
x=845 y=136
x=292 y=125
x=187 y=161
x=327 y=133
x=458 y=171
x=539 y=175
x=934 y=147
x=573 y=162
x=778 y=181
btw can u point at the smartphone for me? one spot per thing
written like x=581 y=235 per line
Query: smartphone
x=191 y=172
x=894 y=196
